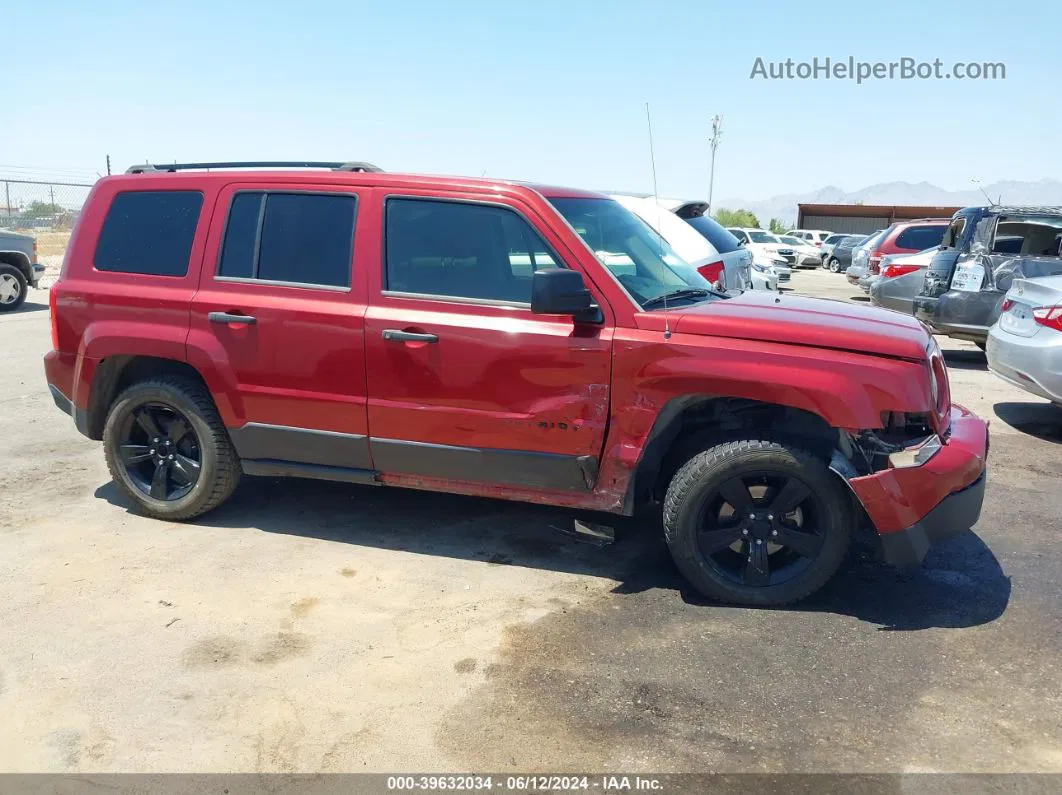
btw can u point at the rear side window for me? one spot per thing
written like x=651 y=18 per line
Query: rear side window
x=721 y=240
x=919 y=238
x=149 y=232
x=292 y=238
x=953 y=234
x=460 y=250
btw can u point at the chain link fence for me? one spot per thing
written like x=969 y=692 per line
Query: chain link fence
x=30 y=204
x=47 y=211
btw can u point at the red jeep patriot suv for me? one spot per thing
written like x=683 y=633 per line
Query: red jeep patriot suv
x=497 y=339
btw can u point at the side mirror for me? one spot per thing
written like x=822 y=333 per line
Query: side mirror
x=559 y=291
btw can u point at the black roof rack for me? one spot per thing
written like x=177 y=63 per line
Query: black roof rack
x=355 y=165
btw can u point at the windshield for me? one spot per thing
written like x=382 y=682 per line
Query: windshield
x=635 y=254
x=762 y=237
x=793 y=241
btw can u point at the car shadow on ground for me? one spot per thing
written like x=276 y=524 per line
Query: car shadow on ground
x=965 y=360
x=960 y=585
x=1042 y=420
x=30 y=306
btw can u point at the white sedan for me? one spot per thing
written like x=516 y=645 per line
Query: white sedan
x=807 y=255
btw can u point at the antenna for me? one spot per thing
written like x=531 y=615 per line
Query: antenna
x=977 y=182
x=717 y=135
x=656 y=201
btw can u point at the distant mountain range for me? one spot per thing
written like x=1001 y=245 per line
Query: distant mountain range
x=784 y=207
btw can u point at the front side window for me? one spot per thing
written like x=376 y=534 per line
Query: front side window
x=149 y=232
x=462 y=250
x=293 y=238
x=632 y=251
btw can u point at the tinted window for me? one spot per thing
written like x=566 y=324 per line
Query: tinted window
x=919 y=238
x=721 y=240
x=241 y=230
x=462 y=250
x=149 y=232
x=305 y=238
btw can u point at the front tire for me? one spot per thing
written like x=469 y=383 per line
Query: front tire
x=757 y=522
x=167 y=449
x=13 y=288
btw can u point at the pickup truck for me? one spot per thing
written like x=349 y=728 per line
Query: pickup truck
x=498 y=339
x=19 y=269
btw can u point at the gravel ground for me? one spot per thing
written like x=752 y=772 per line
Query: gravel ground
x=324 y=627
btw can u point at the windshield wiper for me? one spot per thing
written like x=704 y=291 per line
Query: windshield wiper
x=690 y=292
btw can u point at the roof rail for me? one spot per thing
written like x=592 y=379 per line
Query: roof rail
x=355 y=165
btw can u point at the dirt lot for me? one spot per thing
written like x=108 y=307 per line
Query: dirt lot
x=310 y=626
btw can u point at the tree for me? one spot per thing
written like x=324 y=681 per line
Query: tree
x=736 y=218
x=777 y=227
x=39 y=209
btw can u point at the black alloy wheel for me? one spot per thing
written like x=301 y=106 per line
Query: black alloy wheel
x=761 y=529
x=160 y=451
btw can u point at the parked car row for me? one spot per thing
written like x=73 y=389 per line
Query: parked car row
x=989 y=275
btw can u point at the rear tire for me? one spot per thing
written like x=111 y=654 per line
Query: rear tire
x=172 y=480
x=13 y=288
x=766 y=551
x=835 y=265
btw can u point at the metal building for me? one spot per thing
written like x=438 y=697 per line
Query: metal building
x=863 y=218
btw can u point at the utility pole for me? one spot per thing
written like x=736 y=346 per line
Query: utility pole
x=51 y=193
x=717 y=134
x=108 y=165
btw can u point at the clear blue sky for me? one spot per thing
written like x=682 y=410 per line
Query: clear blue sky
x=547 y=91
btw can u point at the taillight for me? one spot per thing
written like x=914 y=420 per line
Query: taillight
x=1050 y=316
x=35 y=249
x=892 y=271
x=55 y=320
x=713 y=273
x=875 y=261
x=818 y=244
x=1007 y=304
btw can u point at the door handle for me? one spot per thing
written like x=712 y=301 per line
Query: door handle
x=230 y=317
x=394 y=335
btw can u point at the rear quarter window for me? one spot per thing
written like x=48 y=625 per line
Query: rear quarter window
x=919 y=238
x=721 y=239
x=149 y=232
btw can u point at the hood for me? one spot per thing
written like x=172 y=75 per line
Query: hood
x=796 y=320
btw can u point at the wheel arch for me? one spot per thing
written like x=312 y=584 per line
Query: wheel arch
x=19 y=260
x=116 y=373
x=687 y=424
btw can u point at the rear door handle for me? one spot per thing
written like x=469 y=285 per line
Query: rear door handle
x=229 y=317
x=393 y=334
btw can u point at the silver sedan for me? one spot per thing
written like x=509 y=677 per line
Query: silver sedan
x=1025 y=344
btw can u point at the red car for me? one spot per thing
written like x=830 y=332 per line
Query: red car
x=498 y=339
x=906 y=237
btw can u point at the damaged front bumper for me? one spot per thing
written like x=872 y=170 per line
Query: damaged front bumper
x=913 y=506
